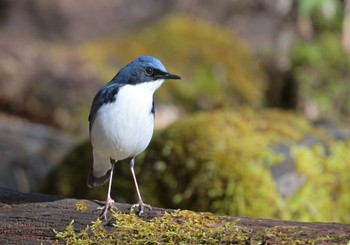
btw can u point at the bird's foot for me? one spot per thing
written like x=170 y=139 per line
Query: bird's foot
x=106 y=207
x=141 y=206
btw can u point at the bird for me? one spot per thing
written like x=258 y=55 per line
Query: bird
x=121 y=122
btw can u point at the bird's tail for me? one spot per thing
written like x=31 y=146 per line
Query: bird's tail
x=101 y=170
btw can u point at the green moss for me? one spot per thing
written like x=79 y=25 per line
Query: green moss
x=221 y=162
x=184 y=227
x=323 y=197
x=217 y=68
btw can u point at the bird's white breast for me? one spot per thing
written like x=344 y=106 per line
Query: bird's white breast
x=124 y=128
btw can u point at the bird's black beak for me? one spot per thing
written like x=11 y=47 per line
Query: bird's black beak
x=171 y=76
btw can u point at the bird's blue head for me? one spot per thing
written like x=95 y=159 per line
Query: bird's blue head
x=143 y=69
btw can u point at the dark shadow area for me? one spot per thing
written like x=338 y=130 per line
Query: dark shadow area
x=9 y=196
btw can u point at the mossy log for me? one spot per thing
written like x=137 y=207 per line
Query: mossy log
x=28 y=218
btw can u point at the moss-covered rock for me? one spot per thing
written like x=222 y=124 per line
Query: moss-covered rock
x=221 y=161
x=217 y=67
x=225 y=162
x=247 y=163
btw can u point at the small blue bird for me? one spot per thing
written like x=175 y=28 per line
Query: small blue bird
x=122 y=121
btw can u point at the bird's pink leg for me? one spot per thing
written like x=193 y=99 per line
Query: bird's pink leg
x=141 y=205
x=109 y=201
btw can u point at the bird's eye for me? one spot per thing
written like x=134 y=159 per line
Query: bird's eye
x=149 y=70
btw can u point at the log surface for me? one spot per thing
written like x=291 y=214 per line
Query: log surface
x=29 y=218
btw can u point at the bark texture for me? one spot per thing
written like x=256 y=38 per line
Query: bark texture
x=29 y=218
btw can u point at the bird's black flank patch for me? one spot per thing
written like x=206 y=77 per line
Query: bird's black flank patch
x=104 y=96
x=152 y=109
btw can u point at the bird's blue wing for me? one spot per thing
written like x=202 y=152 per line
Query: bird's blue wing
x=104 y=96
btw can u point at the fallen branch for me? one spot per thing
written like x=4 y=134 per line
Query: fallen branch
x=28 y=218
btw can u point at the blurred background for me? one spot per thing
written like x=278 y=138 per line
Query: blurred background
x=258 y=126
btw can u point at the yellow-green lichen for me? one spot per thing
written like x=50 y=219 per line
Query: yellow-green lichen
x=187 y=227
x=81 y=206
x=184 y=227
x=324 y=197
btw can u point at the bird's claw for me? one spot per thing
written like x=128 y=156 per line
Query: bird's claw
x=141 y=206
x=106 y=207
